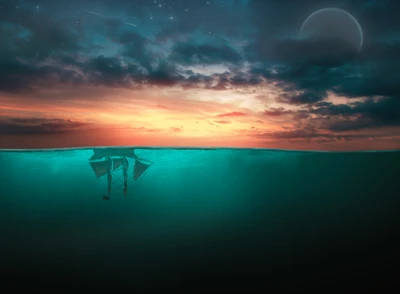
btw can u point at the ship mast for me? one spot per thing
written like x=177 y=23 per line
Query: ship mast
x=106 y=161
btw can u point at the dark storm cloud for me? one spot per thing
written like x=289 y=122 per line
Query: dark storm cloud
x=135 y=47
x=339 y=118
x=190 y=53
x=367 y=114
x=350 y=125
x=296 y=134
x=16 y=76
x=19 y=76
x=37 y=126
x=277 y=112
x=165 y=75
x=195 y=78
x=305 y=135
x=110 y=71
x=113 y=72
x=375 y=72
x=308 y=97
x=241 y=79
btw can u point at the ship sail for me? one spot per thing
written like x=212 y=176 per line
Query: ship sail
x=139 y=169
x=117 y=162
x=106 y=161
x=101 y=168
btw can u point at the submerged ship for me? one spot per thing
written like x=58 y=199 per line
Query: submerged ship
x=117 y=162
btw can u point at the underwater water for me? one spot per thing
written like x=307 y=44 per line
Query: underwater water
x=199 y=218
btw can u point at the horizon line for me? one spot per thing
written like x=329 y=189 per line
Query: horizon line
x=195 y=148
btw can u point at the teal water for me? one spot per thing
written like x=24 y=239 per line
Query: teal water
x=199 y=218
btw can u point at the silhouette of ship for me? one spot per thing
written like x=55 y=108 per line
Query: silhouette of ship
x=107 y=162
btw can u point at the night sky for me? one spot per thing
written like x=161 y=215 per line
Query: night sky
x=237 y=73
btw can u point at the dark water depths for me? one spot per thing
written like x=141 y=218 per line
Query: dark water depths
x=209 y=219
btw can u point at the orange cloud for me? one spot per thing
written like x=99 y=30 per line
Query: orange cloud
x=158 y=117
x=229 y=114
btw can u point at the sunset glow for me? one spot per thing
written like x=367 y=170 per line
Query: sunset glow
x=183 y=81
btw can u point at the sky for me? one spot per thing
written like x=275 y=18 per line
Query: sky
x=310 y=74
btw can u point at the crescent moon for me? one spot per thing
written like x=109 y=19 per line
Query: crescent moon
x=340 y=10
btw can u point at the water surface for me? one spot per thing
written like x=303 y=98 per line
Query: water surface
x=199 y=218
